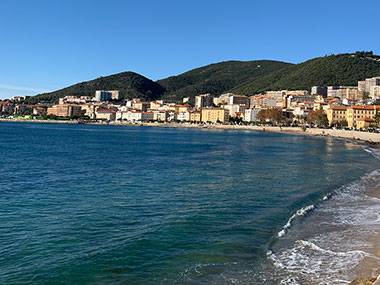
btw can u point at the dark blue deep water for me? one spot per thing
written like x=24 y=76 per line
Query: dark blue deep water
x=88 y=204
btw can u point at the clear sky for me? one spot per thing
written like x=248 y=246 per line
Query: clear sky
x=49 y=44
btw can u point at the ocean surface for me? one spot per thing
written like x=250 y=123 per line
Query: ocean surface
x=90 y=204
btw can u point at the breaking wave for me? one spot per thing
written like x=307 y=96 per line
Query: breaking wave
x=301 y=212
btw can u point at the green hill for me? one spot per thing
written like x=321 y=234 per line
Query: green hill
x=217 y=78
x=342 y=69
x=241 y=77
x=130 y=85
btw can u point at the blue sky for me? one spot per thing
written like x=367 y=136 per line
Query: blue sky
x=48 y=45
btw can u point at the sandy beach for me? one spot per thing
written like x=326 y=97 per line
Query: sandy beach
x=373 y=138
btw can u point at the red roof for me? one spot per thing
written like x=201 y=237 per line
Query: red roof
x=366 y=119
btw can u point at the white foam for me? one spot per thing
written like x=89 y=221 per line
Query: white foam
x=327 y=197
x=315 y=247
x=373 y=151
x=308 y=261
x=301 y=212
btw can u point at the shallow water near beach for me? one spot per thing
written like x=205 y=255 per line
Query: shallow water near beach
x=89 y=204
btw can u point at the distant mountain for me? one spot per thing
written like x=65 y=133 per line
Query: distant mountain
x=218 y=78
x=130 y=85
x=341 y=69
x=241 y=77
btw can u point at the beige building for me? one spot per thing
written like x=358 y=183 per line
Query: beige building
x=215 y=115
x=195 y=116
x=65 y=110
x=336 y=114
x=161 y=116
x=109 y=115
x=142 y=106
x=115 y=94
x=6 y=108
x=345 y=92
x=134 y=116
x=261 y=100
x=356 y=116
x=355 y=113
x=365 y=123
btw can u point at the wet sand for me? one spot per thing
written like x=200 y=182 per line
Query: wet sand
x=368 y=272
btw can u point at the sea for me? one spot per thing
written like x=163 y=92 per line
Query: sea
x=106 y=204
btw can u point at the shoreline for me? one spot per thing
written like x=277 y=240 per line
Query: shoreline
x=358 y=136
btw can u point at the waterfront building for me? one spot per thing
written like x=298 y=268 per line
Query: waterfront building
x=6 y=108
x=65 y=110
x=105 y=114
x=250 y=115
x=39 y=111
x=365 y=123
x=160 y=115
x=89 y=110
x=183 y=116
x=215 y=115
x=336 y=114
x=134 y=116
x=195 y=116
x=23 y=109
x=354 y=113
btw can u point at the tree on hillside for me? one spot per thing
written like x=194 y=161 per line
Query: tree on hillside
x=318 y=118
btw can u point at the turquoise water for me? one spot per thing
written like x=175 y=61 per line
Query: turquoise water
x=87 y=204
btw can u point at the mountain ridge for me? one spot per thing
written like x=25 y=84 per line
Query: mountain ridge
x=241 y=77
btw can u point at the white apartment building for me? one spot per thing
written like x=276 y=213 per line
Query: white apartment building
x=134 y=116
x=250 y=115
x=234 y=108
x=183 y=116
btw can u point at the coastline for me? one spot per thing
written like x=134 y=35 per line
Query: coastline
x=365 y=137
x=360 y=137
